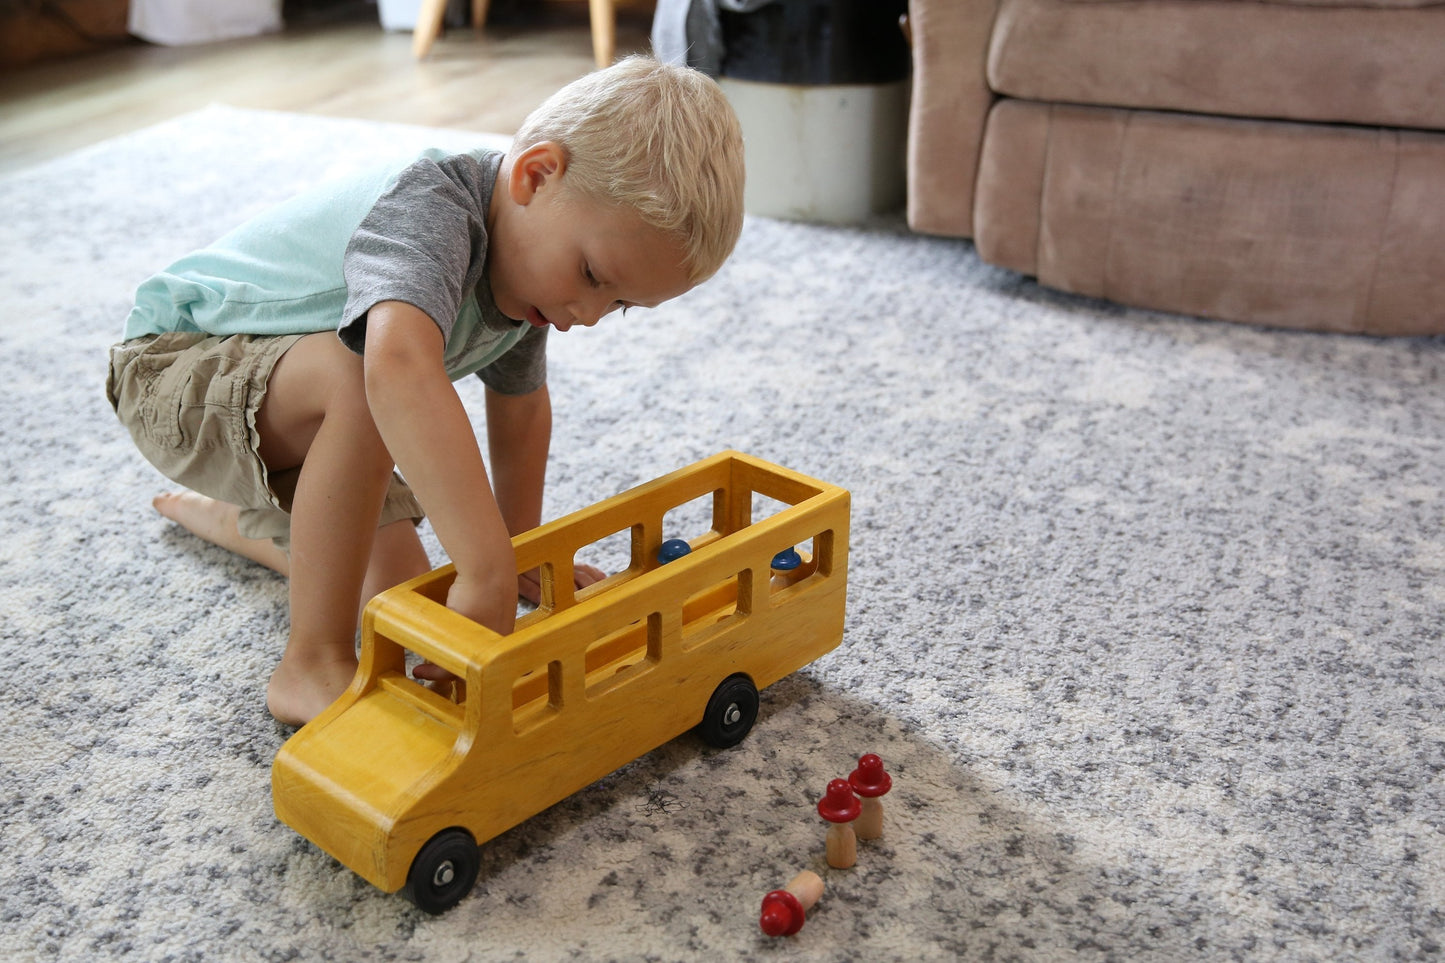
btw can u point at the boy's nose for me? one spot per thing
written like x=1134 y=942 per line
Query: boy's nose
x=588 y=312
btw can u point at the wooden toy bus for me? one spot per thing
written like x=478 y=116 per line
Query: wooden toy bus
x=402 y=784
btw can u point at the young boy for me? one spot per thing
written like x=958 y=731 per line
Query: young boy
x=282 y=373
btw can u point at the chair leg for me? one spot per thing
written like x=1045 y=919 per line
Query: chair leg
x=428 y=26
x=604 y=31
x=479 y=14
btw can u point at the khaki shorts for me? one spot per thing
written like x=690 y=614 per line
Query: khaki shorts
x=190 y=401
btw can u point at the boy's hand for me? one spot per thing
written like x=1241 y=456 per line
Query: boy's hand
x=488 y=601
x=485 y=599
x=480 y=604
x=529 y=584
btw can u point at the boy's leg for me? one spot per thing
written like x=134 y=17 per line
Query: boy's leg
x=396 y=555
x=315 y=416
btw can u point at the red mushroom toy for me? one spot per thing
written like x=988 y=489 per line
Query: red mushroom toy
x=840 y=807
x=785 y=909
x=871 y=782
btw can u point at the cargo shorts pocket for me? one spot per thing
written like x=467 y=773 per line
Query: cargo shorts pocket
x=187 y=391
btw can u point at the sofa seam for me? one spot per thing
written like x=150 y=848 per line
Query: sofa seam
x=1366 y=308
x=1044 y=192
x=1105 y=287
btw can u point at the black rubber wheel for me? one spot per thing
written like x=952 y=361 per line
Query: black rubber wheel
x=444 y=871
x=730 y=713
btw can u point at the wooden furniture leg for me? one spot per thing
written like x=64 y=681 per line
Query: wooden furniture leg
x=479 y=14
x=604 y=31
x=428 y=26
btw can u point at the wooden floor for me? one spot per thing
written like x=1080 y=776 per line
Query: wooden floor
x=341 y=65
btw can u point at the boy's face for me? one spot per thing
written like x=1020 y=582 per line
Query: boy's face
x=556 y=260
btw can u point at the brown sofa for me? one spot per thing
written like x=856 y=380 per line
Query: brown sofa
x=1277 y=162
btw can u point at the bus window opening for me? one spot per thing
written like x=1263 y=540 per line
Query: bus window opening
x=709 y=613
x=536 y=697
x=613 y=555
x=697 y=522
x=624 y=655
x=765 y=507
x=797 y=565
x=527 y=613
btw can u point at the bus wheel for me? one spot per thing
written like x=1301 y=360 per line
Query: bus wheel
x=444 y=871
x=730 y=713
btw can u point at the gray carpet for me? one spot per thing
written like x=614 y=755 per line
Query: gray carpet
x=1145 y=618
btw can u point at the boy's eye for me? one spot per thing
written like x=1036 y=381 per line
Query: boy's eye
x=591 y=278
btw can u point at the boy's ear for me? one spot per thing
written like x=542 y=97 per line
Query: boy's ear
x=534 y=169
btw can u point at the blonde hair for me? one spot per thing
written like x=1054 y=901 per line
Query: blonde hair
x=658 y=138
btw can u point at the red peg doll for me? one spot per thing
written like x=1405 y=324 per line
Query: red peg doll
x=785 y=909
x=871 y=782
x=840 y=807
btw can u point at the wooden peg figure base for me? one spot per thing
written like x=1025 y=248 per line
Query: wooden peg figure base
x=807 y=886
x=869 y=824
x=842 y=845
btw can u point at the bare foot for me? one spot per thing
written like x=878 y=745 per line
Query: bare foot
x=299 y=691
x=215 y=522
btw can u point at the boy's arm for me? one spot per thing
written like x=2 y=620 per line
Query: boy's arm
x=519 y=435
x=426 y=428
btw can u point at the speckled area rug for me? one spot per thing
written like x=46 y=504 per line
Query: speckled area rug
x=1145 y=618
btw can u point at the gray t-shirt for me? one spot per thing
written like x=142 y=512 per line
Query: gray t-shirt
x=413 y=231
x=425 y=242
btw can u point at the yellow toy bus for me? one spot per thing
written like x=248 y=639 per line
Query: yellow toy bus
x=403 y=784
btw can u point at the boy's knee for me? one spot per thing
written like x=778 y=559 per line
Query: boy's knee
x=350 y=404
x=318 y=385
x=344 y=369
x=331 y=374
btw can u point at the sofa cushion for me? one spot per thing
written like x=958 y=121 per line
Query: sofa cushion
x=1323 y=227
x=1242 y=59
x=950 y=103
